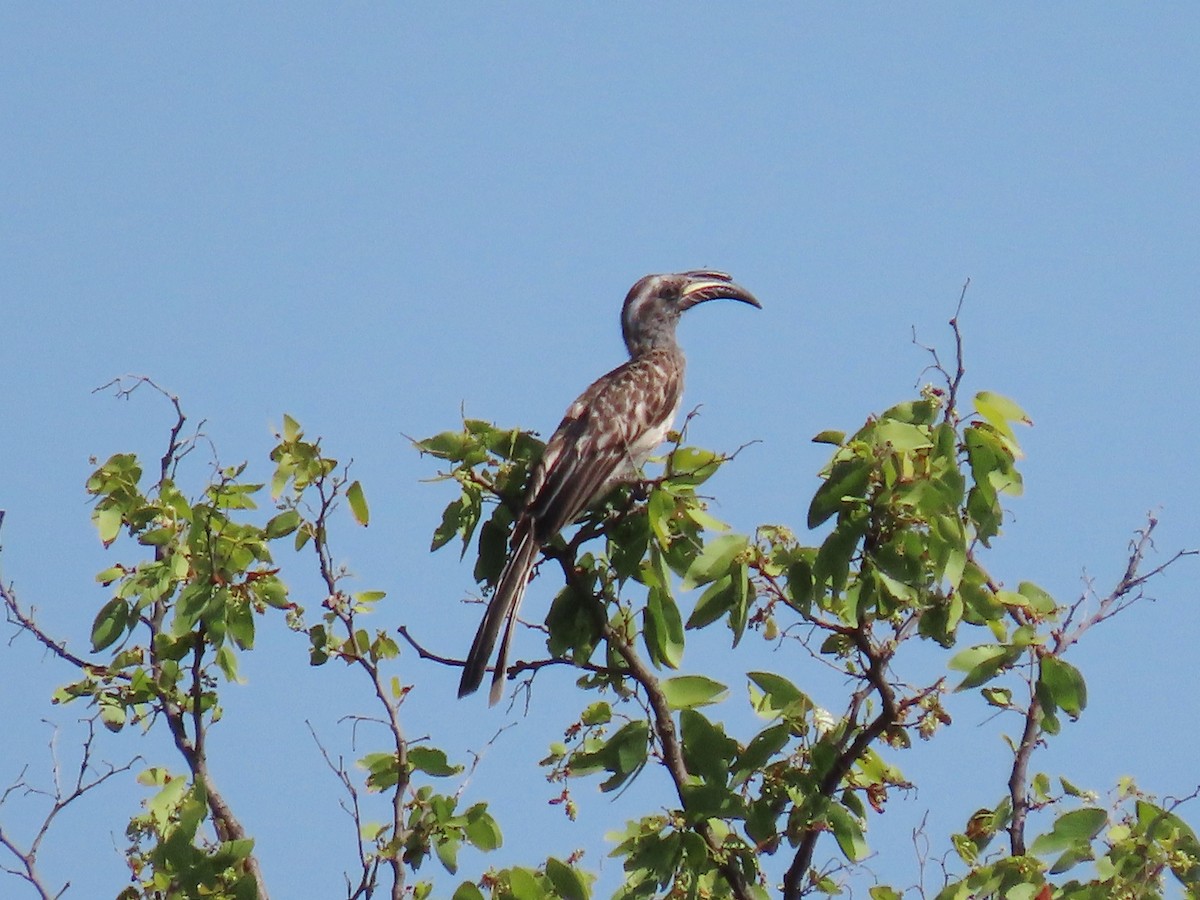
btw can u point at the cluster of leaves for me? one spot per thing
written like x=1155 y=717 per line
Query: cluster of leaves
x=907 y=505
x=167 y=856
x=174 y=625
x=1132 y=845
x=172 y=630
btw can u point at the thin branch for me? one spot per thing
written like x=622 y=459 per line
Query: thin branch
x=124 y=386
x=25 y=622
x=515 y=668
x=337 y=603
x=60 y=799
x=953 y=379
x=1127 y=591
x=893 y=712
x=365 y=888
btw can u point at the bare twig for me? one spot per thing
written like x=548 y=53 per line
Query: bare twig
x=86 y=779
x=1128 y=590
x=124 y=387
x=953 y=379
x=369 y=863
x=24 y=620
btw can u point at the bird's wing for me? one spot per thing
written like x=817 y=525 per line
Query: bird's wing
x=602 y=438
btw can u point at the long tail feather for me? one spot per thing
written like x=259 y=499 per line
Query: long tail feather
x=501 y=612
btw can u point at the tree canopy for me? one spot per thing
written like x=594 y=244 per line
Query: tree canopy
x=771 y=792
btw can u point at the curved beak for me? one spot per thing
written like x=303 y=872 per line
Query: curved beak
x=703 y=286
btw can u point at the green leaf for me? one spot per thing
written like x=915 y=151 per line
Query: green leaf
x=384 y=769
x=451 y=518
x=624 y=754
x=524 y=885
x=982 y=663
x=156 y=537
x=832 y=567
x=363 y=599
x=800 y=585
x=110 y=623
x=714 y=560
x=780 y=696
x=901 y=436
x=718 y=598
x=272 y=592
x=660 y=508
x=739 y=613
x=1038 y=600
x=707 y=751
x=240 y=624
x=431 y=761
x=1072 y=791
x=481 y=829
x=691 y=691
x=598 y=713
x=358 y=503
x=450 y=445
x=992 y=459
x=837 y=438
x=998 y=697
x=913 y=412
x=999 y=411
x=575 y=621
x=468 y=890
x=663 y=629
x=291 y=429
x=847 y=832
x=1071 y=829
x=227 y=663
x=567 y=880
x=282 y=525
x=493 y=545
x=447 y=853
x=847 y=478
x=108 y=523
x=1062 y=685
x=112 y=714
x=761 y=748
x=108 y=576
x=693 y=465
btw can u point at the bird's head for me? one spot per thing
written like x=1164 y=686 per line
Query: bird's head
x=655 y=303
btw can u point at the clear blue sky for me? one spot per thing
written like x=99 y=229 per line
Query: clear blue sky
x=372 y=217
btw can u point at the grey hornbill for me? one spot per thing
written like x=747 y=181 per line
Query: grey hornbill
x=604 y=439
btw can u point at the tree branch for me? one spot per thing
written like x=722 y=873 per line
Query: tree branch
x=365 y=887
x=60 y=800
x=672 y=753
x=953 y=379
x=1127 y=591
x=337 y=603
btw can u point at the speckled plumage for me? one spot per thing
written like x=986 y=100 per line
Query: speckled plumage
x=603 y=440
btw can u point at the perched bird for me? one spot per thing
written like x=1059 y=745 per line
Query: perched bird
x=603 y=440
